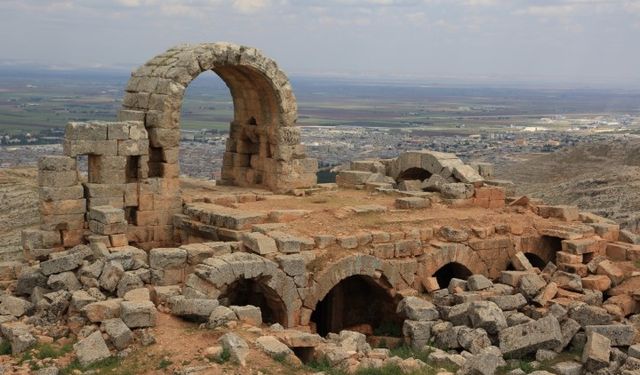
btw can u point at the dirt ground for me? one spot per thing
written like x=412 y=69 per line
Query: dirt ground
x=329 y=211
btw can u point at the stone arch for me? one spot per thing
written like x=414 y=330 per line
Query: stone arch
x=332 y=274
x=227 y=269
x=458 y=253
x=449 y=271
x=264 y=143
x=362 y=269
x=449 y=166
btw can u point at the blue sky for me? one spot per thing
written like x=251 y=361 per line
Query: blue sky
x=583 y=41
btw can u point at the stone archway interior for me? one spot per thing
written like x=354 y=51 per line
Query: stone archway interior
x=449 y=271
x=414 y=174
x=255 y=292
x=358 y=303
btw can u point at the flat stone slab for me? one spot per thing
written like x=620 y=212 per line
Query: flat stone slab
x=224 y=217
x=368 y=208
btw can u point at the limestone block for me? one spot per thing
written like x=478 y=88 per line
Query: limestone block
x=91 y=349
x=351 y=178
x=410 y=185
x=527 y=338
x=478 y=282
x=195 y=309
x=288 y=243
x=38 y=239
x=457 y=190
x=74 y=148
x=159 y=137
x=248 y=314
x=611 y=270
x=167 y=258
x=596 y=352
x=589 y=315
x=88 y=131
x=14 y=306
x=567 y=213
x=236 y=346
x=618 y=334
x=467 y=174
x=57 y=163
x=520 y=262
x=119 y=334
x=57 y=179
x=111 y=274
x=99 y=311
x=259 y=243
x=414 y=308
x=417 y=333
x=579 y=246
x=62 y=264
x=138 y=314
x=509 y=302
x=596 y=282
x=530 y=284
x=273 y=347
x=64 y=281
x=107 y=229
x=220 y=316
x=488 y=316
x=63 y=207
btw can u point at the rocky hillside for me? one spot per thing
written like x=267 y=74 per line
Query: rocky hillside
x=602 y=178
x=18 y=208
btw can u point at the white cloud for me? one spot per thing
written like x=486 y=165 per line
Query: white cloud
x=546 y=10
x=250 y=6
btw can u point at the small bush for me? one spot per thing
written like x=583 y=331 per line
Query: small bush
x=224 y=356
x=164 y=363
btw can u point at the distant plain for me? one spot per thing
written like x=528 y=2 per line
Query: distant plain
x=33 y=100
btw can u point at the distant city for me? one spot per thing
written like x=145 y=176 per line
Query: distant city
x=201 y=151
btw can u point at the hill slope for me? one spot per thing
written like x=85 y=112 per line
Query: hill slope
x=601 y=177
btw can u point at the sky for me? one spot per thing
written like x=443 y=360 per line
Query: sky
x=581 y=41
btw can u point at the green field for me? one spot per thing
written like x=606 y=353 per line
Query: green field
x=31 y=102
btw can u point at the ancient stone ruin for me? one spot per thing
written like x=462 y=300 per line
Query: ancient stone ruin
x=421 y=250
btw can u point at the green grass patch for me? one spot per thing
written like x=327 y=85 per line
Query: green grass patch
x=52 y=351
x=405 y=352
x=164 y=363
x=106 y=366
x=5 y=347
x=224 y=356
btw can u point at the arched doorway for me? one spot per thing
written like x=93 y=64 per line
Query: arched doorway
x=257 y=293
x=359 y=303
x=207 y=111
x=449 y=271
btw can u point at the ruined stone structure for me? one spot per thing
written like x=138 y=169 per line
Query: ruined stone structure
x=264 y=143
x=133 y=164
x=347 y=256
